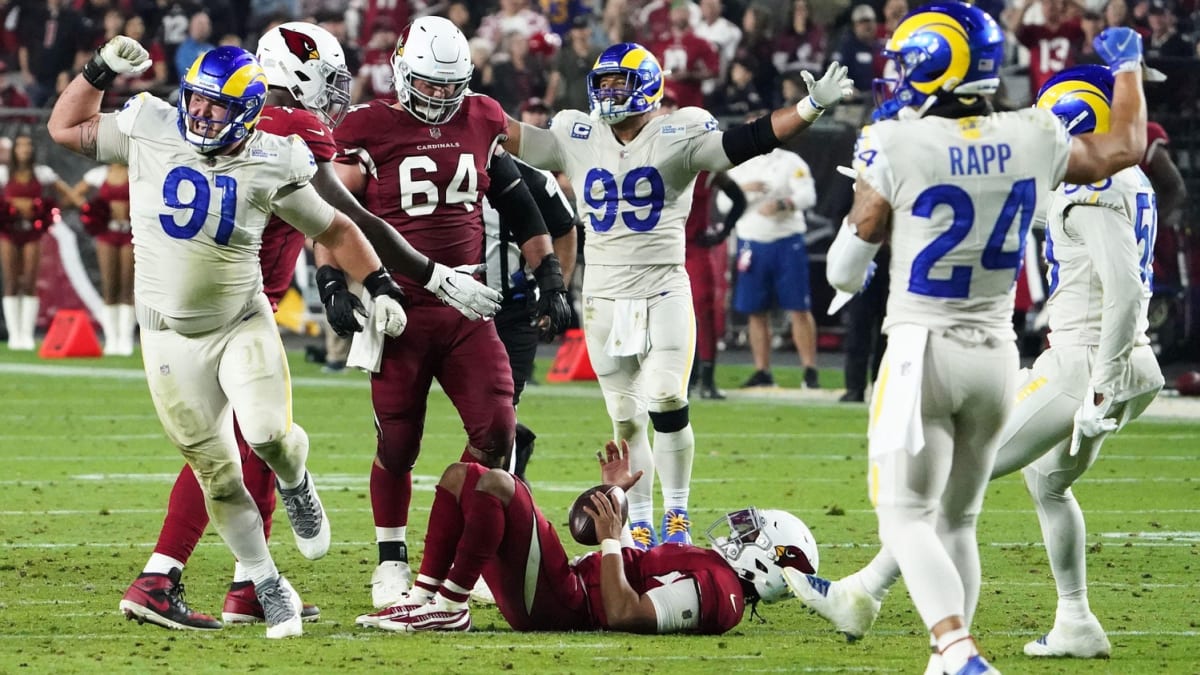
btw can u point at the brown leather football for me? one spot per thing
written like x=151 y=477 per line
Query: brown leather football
x=583 y=528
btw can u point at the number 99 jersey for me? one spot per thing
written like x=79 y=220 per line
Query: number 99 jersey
x=633 y=199
x=198 y=221
x=963 y=194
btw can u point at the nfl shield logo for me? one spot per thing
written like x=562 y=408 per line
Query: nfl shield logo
x=435 y=132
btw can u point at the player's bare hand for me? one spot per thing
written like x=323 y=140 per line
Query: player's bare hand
x=124 y=56
x=614 y=465
x=605 y=514
x=458 y=288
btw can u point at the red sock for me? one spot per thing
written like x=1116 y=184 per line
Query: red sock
x=259 y=479
x=391 y=495
x=445 y=530
x=483 y=530
x=186 y=518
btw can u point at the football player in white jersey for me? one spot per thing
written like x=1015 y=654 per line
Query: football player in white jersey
x=1099 y=248
x=956 y=186
x=633 y=174
x=203 y=184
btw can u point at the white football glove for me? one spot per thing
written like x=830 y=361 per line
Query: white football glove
x=833 y=86
x=459 y=289
x=124 y=56
x=1091 y=420
x=390 y=318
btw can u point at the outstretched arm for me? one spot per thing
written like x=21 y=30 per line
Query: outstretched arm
x=1095 y=157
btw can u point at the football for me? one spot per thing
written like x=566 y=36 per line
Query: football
x=1188 y=384
x=583 y=528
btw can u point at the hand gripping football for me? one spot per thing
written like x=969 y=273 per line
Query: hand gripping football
x=583 y=528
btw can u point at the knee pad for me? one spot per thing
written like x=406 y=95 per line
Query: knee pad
x=621 y=407
x=293 y=445
x=665 y=390
x=670 y=421
x=219 y=479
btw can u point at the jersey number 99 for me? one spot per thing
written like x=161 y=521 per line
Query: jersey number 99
x=642 y=188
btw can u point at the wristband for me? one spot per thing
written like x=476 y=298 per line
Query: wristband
x=610 y=547
x=379 y=282
x=97 y=72
x=808 y=110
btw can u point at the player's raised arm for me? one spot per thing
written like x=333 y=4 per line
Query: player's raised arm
x=624 y=608
x=75 y=120
x=1098 y=156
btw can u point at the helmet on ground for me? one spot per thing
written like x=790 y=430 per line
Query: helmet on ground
x=434 y=50
x=640 y=89
x=1081 y=97
x=758 y=545
x=232 y=78
x=945 y=47
x=309 y=63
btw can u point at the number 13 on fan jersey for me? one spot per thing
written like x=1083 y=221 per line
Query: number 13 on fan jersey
x=642 y=193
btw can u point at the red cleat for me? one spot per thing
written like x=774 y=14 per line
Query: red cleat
x=158 y=599
x=242 y=606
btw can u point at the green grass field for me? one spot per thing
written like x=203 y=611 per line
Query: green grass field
x=86 y=472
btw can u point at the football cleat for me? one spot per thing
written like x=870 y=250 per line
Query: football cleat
x=977 y=665
x=281 y=607
x=482 y=594
x=430 y=617
x=934 y=667
x=676 y=528
x=390 y=583
x=845 y=604
x=406 y=605
x=307 y=516
x=643 y=535
x=158 y=599
x=242 y=606
x=1082 y=640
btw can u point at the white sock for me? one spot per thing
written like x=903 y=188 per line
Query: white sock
x=161 y=564
x=673 y=454
x=240 y=573
x=12 y=320
x=29 y=313
x=641 y=495
x=445 y=603
x=878 y=576
x=391 y=533
x=957 y=648
x=108 y=326
x=126 y=323
x=1073 y=609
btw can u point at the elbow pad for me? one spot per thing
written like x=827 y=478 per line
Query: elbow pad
x=848 y=260
x=750 y=140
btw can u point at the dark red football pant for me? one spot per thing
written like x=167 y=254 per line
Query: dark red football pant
x=699 y=265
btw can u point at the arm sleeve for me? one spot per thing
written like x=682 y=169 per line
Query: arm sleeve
x=540 y=147
x=302 y=208
x=1109 y=239
x=511 y=198
x=676 y=606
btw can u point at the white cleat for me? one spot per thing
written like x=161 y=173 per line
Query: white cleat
x=281 y=608
x=843 y=603
x=390 y=583
x=307 y=516
x=934 y=667
x=482 y=594
x=1081 y=640
x=395 y=611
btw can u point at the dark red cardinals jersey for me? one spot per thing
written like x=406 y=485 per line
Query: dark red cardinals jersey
x=1050 y=49
x=376 y=68
x=427 y=180
x=1156 y=139
x=686 y=53
x=722 y=600
x=282 y=243
x=698 y=217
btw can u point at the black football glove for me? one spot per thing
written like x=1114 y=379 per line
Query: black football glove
x=553 y=311
x=342 y=308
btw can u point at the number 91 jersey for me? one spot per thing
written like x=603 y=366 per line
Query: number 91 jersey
x=198 y=221
x=963 y=194
x=633 y=199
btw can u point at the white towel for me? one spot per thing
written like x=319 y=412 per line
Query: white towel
x=630 y=334
x=366 y=347
x=896 y=405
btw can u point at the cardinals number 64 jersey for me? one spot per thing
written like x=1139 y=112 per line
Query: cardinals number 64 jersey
x=633 y=199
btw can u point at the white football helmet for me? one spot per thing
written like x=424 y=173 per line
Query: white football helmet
x=432 y=49
x=758 y=545
x=310 y=64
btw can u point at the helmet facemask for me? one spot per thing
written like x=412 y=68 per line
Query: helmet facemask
x=611 y=104
x=237 y=123
x=758 y=545
x=427 y=108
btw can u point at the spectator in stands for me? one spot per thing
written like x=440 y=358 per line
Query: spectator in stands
x=567 y=88
x=512 y=17
x=772 y=259
x=758 y=38
x=1053 y=44
x=562 y=13
x=171 y=26
x=374 y=77
x=1164 y=42
x=720 y=32
x=395 y=12
x=196 y=43
x=1091 y=23
x=1116 y=15
x=521 y=77
x=654 y=20
x=482 y=77
x=153 y=78
x=802 y=46
x=535 y=111
x=688 y=61
x=739 y=96
x=263 y=12
x=459 y=14
x=334 y=21
x=894 y=12
x=30 y=189
x=859 y=48
x=52 y=37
